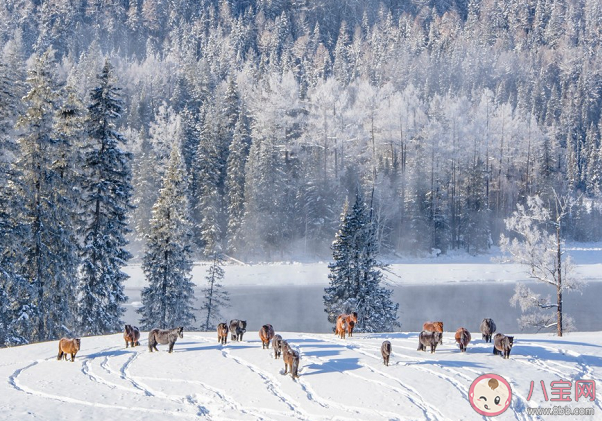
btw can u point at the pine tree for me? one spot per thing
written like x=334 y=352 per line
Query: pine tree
x=208 y=165
x=168 y=300
x=215 y=297
x=108 y=192
x=235 y=185
x=355 y=276
x=44 y=186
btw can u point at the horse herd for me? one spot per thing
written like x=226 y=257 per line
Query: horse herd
x=431 y=336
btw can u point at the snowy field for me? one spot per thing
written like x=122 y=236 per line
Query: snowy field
x=339 y=379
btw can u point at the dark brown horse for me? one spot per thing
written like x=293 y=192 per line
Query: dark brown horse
x=463 y=338
x=487 y=329
x=502 y=345
x=131 y=334
x=68 y=346
x=222 y=333
x=266 y=333
x=385 y=350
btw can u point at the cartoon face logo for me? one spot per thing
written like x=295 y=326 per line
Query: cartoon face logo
x=490 y=395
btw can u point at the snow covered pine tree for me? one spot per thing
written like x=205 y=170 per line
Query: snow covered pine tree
x=355 y=276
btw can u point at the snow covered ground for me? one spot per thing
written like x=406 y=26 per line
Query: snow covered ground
x=339 y=379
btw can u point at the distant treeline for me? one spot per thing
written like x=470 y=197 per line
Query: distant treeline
x=446 y=113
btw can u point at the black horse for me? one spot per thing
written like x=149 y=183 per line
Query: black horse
x=237 y=329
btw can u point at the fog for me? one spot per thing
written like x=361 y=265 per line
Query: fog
x=301 y=308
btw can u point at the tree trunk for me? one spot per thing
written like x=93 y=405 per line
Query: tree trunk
x=559 y=284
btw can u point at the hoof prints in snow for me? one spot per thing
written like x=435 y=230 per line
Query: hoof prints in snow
x=340 y=379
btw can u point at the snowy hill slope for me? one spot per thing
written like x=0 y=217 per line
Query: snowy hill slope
x=339 y=379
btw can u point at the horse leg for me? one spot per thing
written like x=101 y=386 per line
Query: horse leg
x=72 y=357
x=126 y=343
x=60 y=356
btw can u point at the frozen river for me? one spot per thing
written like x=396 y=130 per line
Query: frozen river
x=296 y=308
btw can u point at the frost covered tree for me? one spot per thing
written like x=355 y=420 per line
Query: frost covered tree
x=216 y=298
x=235 y=185
x=355 y=276
x=44 y=185
x=107 y=196
x=543 y=252
x=168 y=299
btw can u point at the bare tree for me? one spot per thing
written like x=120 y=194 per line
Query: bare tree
x=539 y=245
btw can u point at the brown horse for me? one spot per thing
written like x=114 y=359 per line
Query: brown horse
x=351 y=321
x=434 y=327
x=266 y=333
x=131 y=334
x=385 y=350
x=222 y=333
x=68 y=346
x=340 y=327
x=291 y=361
x=463 y=338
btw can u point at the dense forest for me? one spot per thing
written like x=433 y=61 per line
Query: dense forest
x=446 y=113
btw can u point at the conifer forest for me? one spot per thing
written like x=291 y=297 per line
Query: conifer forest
x=245 y=127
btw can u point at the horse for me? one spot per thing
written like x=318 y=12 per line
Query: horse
x=428 y=339
x=131 y=334
x=161 y=336
x=434 y=327
x=385 y=350
x=340 y=327
x=487 y=329
x=68 y=346
x=463 y=338
x=222 y=333
x=284 y=347
x=276 y=346
x=291 y=361
x=351 y=322
x=502 y=345
x=266 y=333
x=237 y=329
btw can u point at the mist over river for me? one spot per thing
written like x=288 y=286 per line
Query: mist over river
x=295 y=308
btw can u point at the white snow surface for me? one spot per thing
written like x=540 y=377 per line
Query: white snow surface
x=340 y=379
